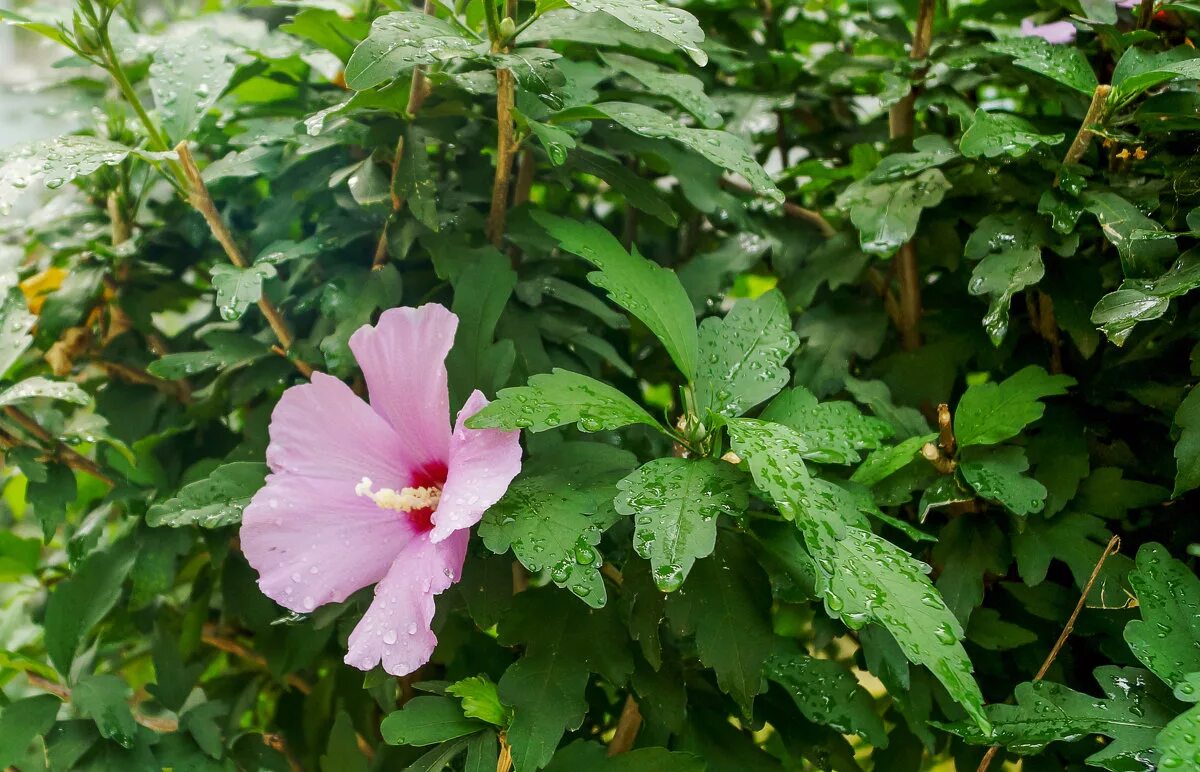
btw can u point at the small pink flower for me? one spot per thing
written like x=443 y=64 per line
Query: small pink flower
x=382 y=493
x=1128 y=3
x=1054 y=32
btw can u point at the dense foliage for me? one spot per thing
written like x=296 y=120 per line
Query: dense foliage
x=850 y=342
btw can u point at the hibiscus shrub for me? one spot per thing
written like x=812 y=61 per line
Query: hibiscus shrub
x=822 y=376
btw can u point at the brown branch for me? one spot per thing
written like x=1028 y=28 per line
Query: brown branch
x=123 y=372
x=613 y=573
x=946 y=430
x=628 y=726
x=1112 y=548
x=1145 y=14
x=504 y=762
x=796 y=211
x=1083 y=139
x=210 y=637
x=61 y=450
x=201 y=201
x=505 y=149
x=154 y=724
x=901 y=120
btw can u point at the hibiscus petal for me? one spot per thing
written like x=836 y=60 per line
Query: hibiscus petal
x=396 y=628
x=322 y=429
x=403 y=358
x=482 y=464
x=312 y=541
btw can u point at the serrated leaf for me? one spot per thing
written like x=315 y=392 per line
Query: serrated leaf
x=1065 y=64
x=1167 y=637
x=479 y=700
x=400 y=41
x=1177 y=744
x=188 y=74
x=56 y=162
x=741 y=358
x=564 y=642
x=214 y=502
x=886 y=214
x=967 y=551
x=237 y=287
x=1138 y=71
x=725 y=603
x=103 y=698
x=828 y=694
x=560 y=398
x=1002 y=275
x=638 y=192
x=685 y=90
x=426 y=721
x=39 y=387
x=996 y=475
x=834 y=432
x=996 y=134
x=675 y=504
x=642 y=287
x=989 y=413
x=1132 y=713
x=81 y=600
x=728 y=151
x=674 y=25
x=553 y=521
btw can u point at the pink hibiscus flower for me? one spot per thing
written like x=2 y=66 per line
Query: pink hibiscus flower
x=1054 y=32
x=382 y=494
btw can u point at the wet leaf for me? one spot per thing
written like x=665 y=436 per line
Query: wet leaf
x=188 y=74
x=989 y=413
x=997 y=134
x=834 y=432
x=996 y=475
x=1167 y=637
x=886 y=214
x=214 y=502
x=1065 y=64
x=44 y=388
x=1187 y=449
x=104 y=699
x=828 y=694
x=685 y=90
x=426 y=721
x=237 y=288
x=557 y=399
x=402 y=40
x=674 y=25
x=675 y=504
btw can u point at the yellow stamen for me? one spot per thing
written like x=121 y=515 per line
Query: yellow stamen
x=403 y=500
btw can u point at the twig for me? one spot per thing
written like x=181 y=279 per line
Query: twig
x=789 y=209
x=613 y=573
x=1041 y=308
x=64 y=452
x=1145 y=14
x=505 y=149
x=177 y=389
x=901 y=120
x=946 y=430
x=504 y=762
x=160 y=725
x=210 y=637
x=202 y=202
x=628 y=726
x=1112 y=548
x=1095 y=114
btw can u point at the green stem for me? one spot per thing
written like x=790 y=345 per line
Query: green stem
x=493 y=22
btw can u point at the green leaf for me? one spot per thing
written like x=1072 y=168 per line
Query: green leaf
x=56 y=162
x=350 y=301
x=1064 y=64
x=479 y=700
x=968 y=550
x=403 y=40
x=81 y=600
x=482 y=288
x=104 y=699
x=216 y=501
x=728 y=151
x=557 y=399
x=1143 y=244
x=427 y=721
x=685 y=90
x=342 y=753
x=887 y=461
x=645 y=289
x=995 y=134
x=586 y=756
x=907 y=421
x=1078 y=540
x=595 y=29
x=638 y=192
x=834 y=432
x=741 y=358
x=886 y=214
x=553 y=521
x=227 y=350
x=989 y=413
x=1002 y=275
x=1187 y=449
x=23 y=720
x=15 y=324
x=1177 y=745
x=675 y=504
x=51 y=496
x=564 y=642
x=725 y=603
x=1117 y=313
x=188 y=74
x=1132 y=713
x=237 y=287
x=828 y=694
x=414 y=179
x=1138 y=71
x=996 y=474
x=1167 y=637
x=674 y=25
x=39 y=387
